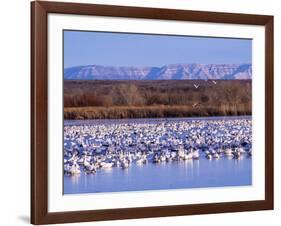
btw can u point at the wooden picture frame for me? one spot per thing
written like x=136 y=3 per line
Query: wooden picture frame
x=39 y=109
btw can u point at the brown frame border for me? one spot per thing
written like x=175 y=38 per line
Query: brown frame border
x=39 y=107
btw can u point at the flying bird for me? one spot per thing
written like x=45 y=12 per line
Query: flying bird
x=196 y=86
x=214 y=82
x=195 y=105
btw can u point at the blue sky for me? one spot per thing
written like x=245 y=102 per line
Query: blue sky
x=122 y=49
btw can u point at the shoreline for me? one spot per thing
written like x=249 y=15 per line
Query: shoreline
x=155 y=111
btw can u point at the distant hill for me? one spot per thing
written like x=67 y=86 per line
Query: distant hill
x=167 y=72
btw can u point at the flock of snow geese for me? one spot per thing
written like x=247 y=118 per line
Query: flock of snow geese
x=90 y=147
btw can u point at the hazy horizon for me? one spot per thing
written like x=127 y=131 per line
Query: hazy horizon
x=151 y=66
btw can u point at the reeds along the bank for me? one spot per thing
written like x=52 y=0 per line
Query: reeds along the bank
x=154 y=111
x=147 y=99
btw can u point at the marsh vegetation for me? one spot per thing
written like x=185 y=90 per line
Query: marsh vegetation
x=158 y=98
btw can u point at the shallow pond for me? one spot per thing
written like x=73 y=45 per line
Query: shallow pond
x=166 y=175
x=175 y=175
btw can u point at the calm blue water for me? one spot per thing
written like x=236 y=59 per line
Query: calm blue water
x=173 y=175
x=167 y=175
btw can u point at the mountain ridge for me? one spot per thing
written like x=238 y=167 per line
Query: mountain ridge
x=166 y=72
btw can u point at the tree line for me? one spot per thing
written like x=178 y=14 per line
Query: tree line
x=172 y=98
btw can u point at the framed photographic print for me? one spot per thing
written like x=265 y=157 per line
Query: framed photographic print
x=147 y=112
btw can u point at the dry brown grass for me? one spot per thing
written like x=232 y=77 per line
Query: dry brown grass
x=153 y=111
x=147 y=99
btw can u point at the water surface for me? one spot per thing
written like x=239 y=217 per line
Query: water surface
x=200 y=173
x=172 y=175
